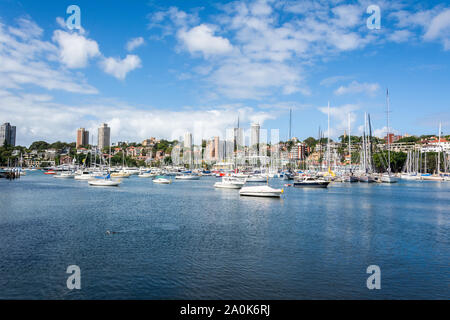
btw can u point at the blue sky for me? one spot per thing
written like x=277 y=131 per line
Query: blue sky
x=162 y=68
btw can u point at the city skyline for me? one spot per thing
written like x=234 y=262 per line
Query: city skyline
x=181 y=67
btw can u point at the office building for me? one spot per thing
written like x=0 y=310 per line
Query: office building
x=82 y=137
x=7 y=134
x=104 y=136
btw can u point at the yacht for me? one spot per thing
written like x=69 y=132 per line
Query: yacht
x=162 y=180
x=83 y=175
x=310 y=182
x=261 y=191
x=230 y=183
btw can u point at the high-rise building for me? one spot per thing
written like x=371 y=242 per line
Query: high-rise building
x=254 y=135
x=82 y=137
x=188 y=140
x=104 y=136
x=216 y=149
x=7 y=134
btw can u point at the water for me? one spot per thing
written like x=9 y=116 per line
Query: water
x=188 y=240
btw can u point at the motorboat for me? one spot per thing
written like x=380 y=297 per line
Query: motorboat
x=230 y=183
x=162 y=180
x=310 y=182
x=64 y=175
x=187 y=177
x=260 y=191
x=50 y=172
x=84 y=175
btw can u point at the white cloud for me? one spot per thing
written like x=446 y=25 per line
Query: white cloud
x=262 y=37
x=25 y=59
x=401 y=36
x=356 y=87
x=119 y=68
x=134 y=43
x=332 y=80
x=382 y=132
x=439 y=28
x=202 y=39
x=339 y=117
x=75 y=50
x=434 y=22
x=126 y=122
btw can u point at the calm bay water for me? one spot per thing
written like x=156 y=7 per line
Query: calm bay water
x=188 y=240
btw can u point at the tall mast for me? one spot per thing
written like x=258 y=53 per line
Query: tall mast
x=328 y=142
x=349 y=143
x=388 y=133
x=439 y=151
x=290 y=123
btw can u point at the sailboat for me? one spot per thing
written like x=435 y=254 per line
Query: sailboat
x=388 y=177
x=105 y=181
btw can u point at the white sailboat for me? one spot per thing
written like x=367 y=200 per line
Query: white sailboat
x=230 y=183
x=105 y=181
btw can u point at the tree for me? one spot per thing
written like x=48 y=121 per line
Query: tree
x=39 y=145
x=409 y=139
x=310 y=142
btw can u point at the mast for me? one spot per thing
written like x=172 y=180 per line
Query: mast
x=290 y=124
x=349 y=143
x=388 y=132
x=439 y=151
x=328 y=142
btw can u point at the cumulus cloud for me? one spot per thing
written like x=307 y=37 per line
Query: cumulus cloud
x=439 y=28
x=75 y=50
x=202 y=39
x=126 y=122
x=119 y=68
x=134 y=43
x=26 y=59
x=339 y=117
x=356 y=87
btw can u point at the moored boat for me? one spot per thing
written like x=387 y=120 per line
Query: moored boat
x=230 y=183
x=261 y=191
x=310 y=182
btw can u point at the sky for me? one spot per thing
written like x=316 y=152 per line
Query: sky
x=161 y=68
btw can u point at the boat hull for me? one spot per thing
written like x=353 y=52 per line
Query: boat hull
x=323 y=184
x=104 y=183
x=227 y=185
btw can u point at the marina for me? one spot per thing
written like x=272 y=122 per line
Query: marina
x=174 y=242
